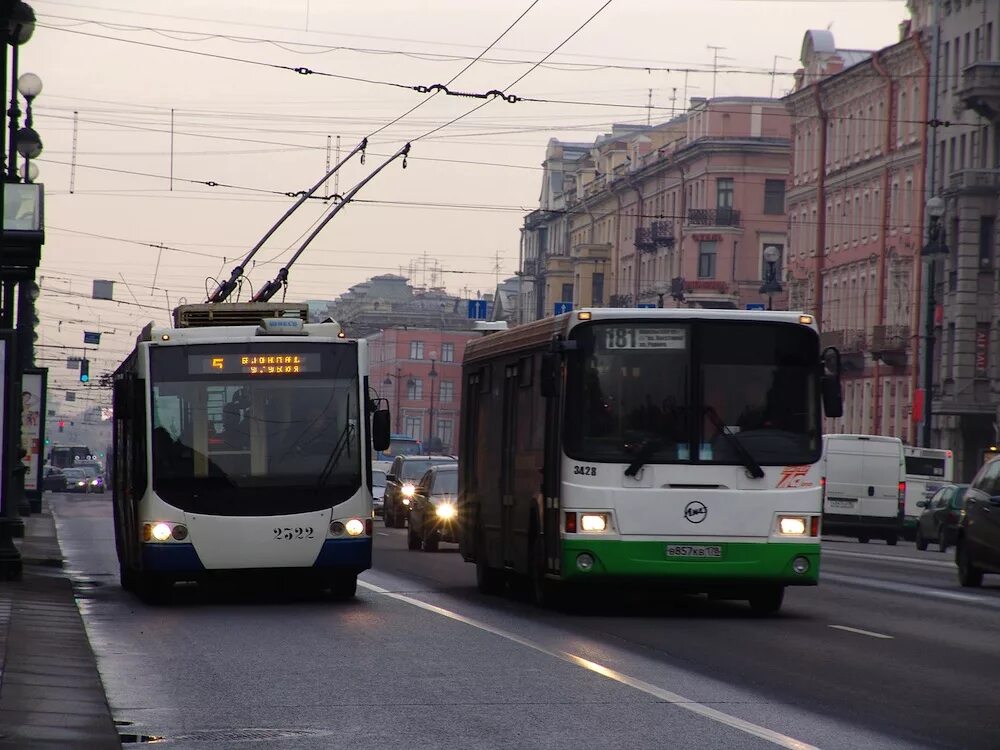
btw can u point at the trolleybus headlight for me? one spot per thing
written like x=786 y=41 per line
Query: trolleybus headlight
x=180 y=532
x=594 y=521
x=792 y=525
x=337 y=528
x=355 y=527
x=161 y=532
x=800 y=565
x=446 y=511
x=584 y=561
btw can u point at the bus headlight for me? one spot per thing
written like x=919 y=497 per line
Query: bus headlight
x=180 y=532
x=160 y=532
x=792 y=525
x=446 y=511
x=593 y=521
x=355 y=527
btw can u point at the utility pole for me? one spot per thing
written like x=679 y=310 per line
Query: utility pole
x=649 y=108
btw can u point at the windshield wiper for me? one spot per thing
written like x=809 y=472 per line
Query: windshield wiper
x=343 y=441
x=644 y=450
x=752 y=467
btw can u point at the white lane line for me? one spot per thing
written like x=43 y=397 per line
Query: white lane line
x=382 y=533
x=859 y=631
x=896 y=587
x=667 y=696
x=888 y=558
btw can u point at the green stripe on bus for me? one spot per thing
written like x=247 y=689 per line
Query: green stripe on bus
x=740 y=561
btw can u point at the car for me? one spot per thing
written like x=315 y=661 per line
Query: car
x=95 y=477
x=401 y=482
x=378 y=492
x=77 y=480
x=977 y=548
x=941 y=516
x=865 y=487
x=433 y=509
x=53 y=479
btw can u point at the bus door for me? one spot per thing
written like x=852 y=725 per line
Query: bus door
x=508 y=462
x=551 y=388
x=130 y=454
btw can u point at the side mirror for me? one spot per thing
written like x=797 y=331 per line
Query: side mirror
x=921 y=503
x=833 y=401
x=551 y=373
x=390 y=477
x=381 y=429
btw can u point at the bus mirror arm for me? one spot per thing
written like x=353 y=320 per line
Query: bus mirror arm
x=833 y=402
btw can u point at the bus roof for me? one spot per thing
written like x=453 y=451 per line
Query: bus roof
x=540 y=332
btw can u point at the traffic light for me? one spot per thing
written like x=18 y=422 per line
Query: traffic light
x=84 y=370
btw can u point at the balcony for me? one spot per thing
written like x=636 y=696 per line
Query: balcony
x=851 y=345
x=644 y=241
x=890 y=344
x=975 y=182
x=713 y=217
x=980 y=89
x=529 y=267
x=663 y=233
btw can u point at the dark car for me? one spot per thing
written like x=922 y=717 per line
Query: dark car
x=95 y=477
x=53 y=479
x=978 y=543
x=400 y=483
x=941 y=517
x=378 y=491
x=77 y=480
x=433 y=510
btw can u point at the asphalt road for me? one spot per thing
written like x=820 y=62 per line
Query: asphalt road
x=889 y=652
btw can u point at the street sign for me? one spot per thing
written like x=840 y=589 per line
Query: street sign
x=756 y=306
x=91 y=337
x=646 y=305
x=477 y=309
x=562 y=307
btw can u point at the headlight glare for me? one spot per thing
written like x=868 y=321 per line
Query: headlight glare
x=161 y=532
x=407 y=490
x=792 y=525
x=355 y=527
x=446 y=511
x=594 y=521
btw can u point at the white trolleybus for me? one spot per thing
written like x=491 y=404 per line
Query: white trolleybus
x=242 y=442
x=663 y=447
x=927 y=471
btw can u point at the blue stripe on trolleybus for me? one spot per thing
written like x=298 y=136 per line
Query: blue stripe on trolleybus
x=345 y=553
x=169 y=558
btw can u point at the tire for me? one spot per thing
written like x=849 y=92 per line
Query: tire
x=344 y=587
x=489 y=580
x=412 y=540
x=126 y=577
x=920 y=541
x=942 y=540
x=892 y=539
x=968 y=574
x=388 y=517
x=767 y=601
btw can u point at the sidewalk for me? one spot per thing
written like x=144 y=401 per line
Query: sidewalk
x=51 y=695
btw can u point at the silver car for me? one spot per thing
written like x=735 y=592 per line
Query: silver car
x=378 y=491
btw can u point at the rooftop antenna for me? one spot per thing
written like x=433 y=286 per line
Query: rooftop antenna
x=271 y=287
x=715 y=64
x=226 y=288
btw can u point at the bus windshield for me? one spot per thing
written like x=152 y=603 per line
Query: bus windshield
x=652 y=392
x=255 y=428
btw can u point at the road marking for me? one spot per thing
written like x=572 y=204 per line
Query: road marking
x=907 y=588
x=890 y=558
x=382 y=533
x=859 y=631
x=667 y=696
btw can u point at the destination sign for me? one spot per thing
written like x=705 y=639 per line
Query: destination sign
x=277 y=364
x=645 y=337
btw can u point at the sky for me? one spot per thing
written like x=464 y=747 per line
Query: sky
x=173 y=131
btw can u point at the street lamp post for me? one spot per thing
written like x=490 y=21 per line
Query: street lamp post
x=771 y=284
x=430 y=418
x=398 y=377
x=934 y=249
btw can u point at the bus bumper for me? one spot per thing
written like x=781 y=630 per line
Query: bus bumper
x=741 y=562
x=172 y=557
x=345 y=554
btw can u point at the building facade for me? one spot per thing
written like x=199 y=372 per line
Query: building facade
x=855 y=211
x=419 y=372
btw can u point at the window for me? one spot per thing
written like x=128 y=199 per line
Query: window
x=774 y=196
x=724 y=192
x=567 y=293
x=416 y=350
x=597 y=289
x=987 y=242
x=414 y=389
x=706 y=259
x=444 y=434
x=447 y=392
x=447 y=352
x=414 y=427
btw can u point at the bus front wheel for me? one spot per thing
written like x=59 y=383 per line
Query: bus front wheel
x=767 y=601
x=152 y=588
x=344 y=587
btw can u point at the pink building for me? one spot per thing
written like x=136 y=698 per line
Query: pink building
x=855 y=211
x=419 y=371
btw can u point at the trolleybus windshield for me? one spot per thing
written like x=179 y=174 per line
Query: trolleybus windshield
x=255 y=428
x=658 y=392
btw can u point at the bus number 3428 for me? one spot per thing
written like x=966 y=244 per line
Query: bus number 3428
x=288 y=534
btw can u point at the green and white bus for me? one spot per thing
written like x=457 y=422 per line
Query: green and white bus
x=669 y=447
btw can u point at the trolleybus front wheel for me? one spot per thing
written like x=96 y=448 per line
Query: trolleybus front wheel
x=344 y=587
x=767 y=601
x=152 y=588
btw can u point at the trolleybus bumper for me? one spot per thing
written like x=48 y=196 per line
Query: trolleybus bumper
x=173 y=557
x=346 y=554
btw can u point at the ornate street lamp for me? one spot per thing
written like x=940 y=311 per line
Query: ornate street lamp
x=771 y=284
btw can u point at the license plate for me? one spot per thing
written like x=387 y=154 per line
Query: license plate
x=836 y=503
x=694 y=550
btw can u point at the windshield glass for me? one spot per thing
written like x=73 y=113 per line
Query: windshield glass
x=234 y=434
x=652 y=392
x=414 y=469
x=446 y=483
x=378 y=478
x=925 y=467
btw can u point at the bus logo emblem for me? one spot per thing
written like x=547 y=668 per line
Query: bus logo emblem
x=695 y=511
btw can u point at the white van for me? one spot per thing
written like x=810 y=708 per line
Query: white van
x=865 y=487
x=927 y=471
